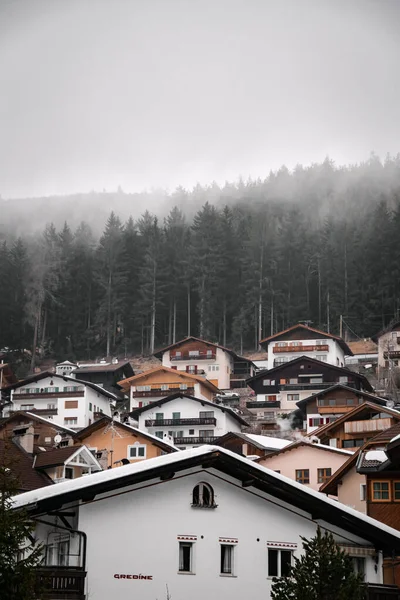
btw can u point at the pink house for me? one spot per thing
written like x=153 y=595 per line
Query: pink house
x=307 y=463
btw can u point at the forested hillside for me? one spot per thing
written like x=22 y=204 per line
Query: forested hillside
x=228 y=264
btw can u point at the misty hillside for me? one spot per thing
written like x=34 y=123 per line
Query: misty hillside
x=321 y=189
x=228 y=264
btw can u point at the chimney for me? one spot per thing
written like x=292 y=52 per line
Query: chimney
x=24 y=436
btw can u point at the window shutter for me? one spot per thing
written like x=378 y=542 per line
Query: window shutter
x=195 y=369
x=310 y=422
x=174 y=367
x=321 y=421
x=187 y=368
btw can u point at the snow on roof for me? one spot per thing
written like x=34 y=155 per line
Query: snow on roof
x=51 y=491
x=378 y=455
x=396 y=437
x=269 y=442
x=50 y=422
x=340 y=450
x=150 y=435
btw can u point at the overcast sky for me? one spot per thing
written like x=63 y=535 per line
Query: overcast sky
x=146 y=93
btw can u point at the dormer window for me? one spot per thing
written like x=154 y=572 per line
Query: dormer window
x=203 y=496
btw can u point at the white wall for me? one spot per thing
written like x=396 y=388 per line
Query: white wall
x=83 y=413
x=136 y=402
x=223 y=361
x=335 y=355
x=136 y=533
x=189 y=409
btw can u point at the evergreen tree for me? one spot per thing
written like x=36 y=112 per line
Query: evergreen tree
x=323 y=572
x=20 y=554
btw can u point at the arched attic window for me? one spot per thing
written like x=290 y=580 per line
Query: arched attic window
x=203 y=496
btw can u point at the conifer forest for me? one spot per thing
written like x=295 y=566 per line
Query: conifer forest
x=230 y=264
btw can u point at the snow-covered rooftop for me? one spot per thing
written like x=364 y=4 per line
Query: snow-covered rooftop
x=378 y=455
x=50 y=422
x=269 y=442
x=396 y=437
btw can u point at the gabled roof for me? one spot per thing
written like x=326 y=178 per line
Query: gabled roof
x=108 y=368
x=340 y=386
x=392 y=325
x=34 y=417
x=126 y=383
x=82 y=434
x=21 y=464
x=66 y=378
x=366 y=346
x=316 y=506
x=308 y=444
x=269 y=372
x=300 y=326
x=262 y=442
x=138 y=411
x=159 y=353
x=59 y=456
x=330 y=486
x=352 y=413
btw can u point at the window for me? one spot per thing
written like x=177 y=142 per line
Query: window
x=194 y=353
x=27 y=406
x=343 y=379
x=226 y=559
x=70 y=388
x=209 y=352
x=213 y=367
x=176 y=416
x=352 y=443
x=363 y=491
x=57 y=554
x=323 y=358
x=350 y=401
x=268 y=382
x=137 y=451
x=279 y=562
x=185 y=557
x=270 y=398
x=51 y=406
x=159 y=434
x=203 y=496
x=178 y=354
x=396 y=491
x=206 y=433
x=51 y=390
x=90 y=406
x=191 y=431
x=323 y=475
x=71 y=421
x=183 y=386
x=293 y=397
x=380 y=491
x=206 y=414
x=315 y=421
x=293 y=381
x=159 y=416
x=164 y=387
x=295 y=343
x=359 y=565
x=69 y=473
x=303 y=475
x=71 y=404
x=143 y=388
x=177 y=434
x=281 y=344
x=321 y=342
x=315 y=379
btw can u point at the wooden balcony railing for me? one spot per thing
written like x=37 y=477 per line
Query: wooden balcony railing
x=163 y=393
x=391 y=354
x=263 y=404
x=61 y=583
x=320 y=348
x=195 y=440
x=177 y=422
x=367 y=425
x=202 y=355
x=37 y=411
x=32 y=396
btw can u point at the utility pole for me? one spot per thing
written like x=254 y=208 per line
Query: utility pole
x=328 y=325
x=341 y=326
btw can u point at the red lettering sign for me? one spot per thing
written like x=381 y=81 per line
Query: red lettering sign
x=140 y=576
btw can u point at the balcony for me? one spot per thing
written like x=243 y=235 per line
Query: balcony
x=270 y=418
x=44 y=412
x=320 y=348
x=182 y=441
x=178 y=422
x=263 y=404
x=32 y=396
x=288 y=387
x=391 y=354
x=61 y=583
x=375 y=591
x=367 y=425
x=200 y=355
x=162 y=393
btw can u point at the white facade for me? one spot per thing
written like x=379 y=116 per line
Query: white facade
x=136 y=401
x=162 y=521
x=192 y=434
x=67 y=402
x=280 y=352
x=217 y=368
x=389 y=348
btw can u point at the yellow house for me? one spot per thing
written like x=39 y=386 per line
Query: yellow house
x=114 y=443
x=154 y=384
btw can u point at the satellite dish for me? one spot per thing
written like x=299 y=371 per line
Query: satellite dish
x=57 y=438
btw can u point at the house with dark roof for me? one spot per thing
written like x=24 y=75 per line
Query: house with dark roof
x=353 y=429
x=65 y=400
x=15 y=457
x=328 y=404
x=251 y=445
x=115 y=443
x=227 y=526
x=45 y=431
x=105 y=375
x=188 y=420
x=301 y=340
x=222 y=366
x=278 y=390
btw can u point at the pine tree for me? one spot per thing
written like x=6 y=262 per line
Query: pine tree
x=20 y=554
x=323 y=572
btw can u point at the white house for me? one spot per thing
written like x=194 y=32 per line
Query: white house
x=388 y=341
x=65 y=400
x=222 y=366
x=300 y=340
x=204 y=523
x=188 y=420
